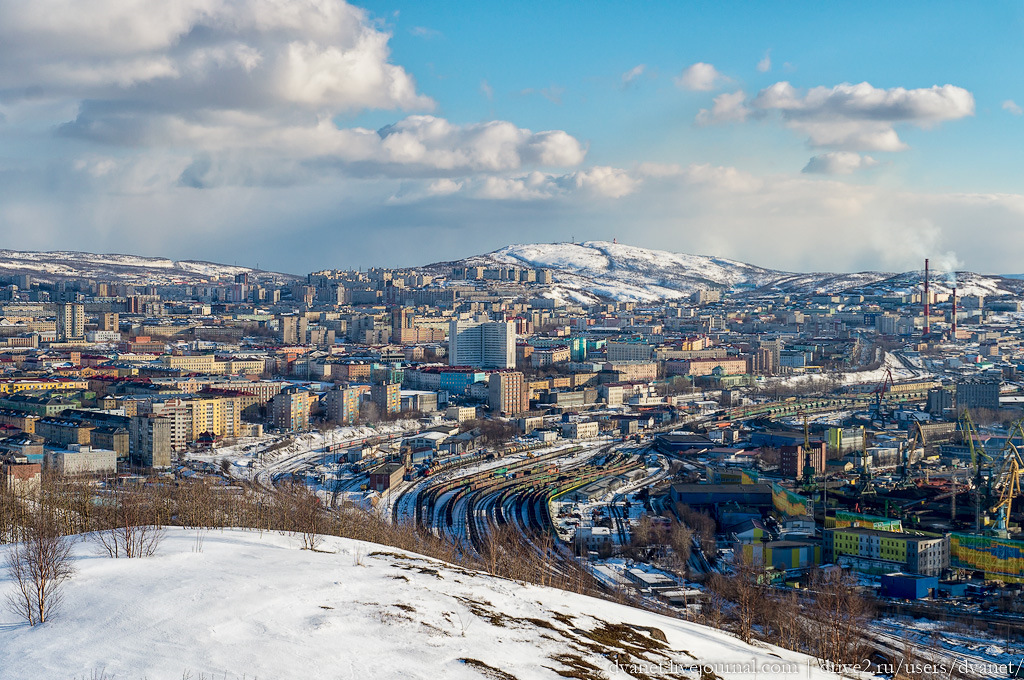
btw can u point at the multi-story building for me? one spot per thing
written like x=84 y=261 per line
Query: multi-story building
x=290 y=410
x=343 y=405
x=628 y=351
x=581 y=429
x=150 y=441
x=507 y=393
x=697 y=367
x=875 y=551
x=387 y=397
x=61 y=432
x=219 y=416
x=110 y=322
x=487 y=344
x=80 y=460
x=70 y=321
x=794 y=461
x=977 y=393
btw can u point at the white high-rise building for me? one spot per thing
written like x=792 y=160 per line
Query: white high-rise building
x=70 y=321
x=488 y=344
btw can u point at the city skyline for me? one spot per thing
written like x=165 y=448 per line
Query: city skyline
x=792 y=136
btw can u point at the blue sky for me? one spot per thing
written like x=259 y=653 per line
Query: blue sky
x=313 y=134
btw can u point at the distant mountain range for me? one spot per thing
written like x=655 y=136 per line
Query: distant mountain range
x=587 y=272
x=61 y=265
x=601 y=269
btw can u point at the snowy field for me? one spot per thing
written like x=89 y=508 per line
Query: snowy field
x=254 y=606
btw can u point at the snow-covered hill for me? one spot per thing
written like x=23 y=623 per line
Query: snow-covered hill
x=55 y=265
x=621 y=272
x=250 y=605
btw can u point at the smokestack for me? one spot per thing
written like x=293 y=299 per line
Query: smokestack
x=954 y=313
x=927 y=318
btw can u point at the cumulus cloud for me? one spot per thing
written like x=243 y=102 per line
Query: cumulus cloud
x=258 y=54
x=765 y=64
x=838 y=163
x=861 y=117
x=601 y=182
x=632 y=74
x=1012 y=107
x=606 y=181
x=700 y=77
x=245 y=93
x=260 y=153
x=726 y=108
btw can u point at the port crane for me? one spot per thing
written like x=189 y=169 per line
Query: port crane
x=1007 y=480
x=884 y=385
x=969 y=433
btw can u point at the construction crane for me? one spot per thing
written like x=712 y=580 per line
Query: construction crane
x=885 y=384
x=914 y=443
x=969 y=432
x=1007 y=481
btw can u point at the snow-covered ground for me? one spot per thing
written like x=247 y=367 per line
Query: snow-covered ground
x=251 y=605
x=247 y=455
x=872 y=377
x=624 y=272
x=154 y=270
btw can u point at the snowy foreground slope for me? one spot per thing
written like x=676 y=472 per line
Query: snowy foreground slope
x=258 y=607
x=622 y=272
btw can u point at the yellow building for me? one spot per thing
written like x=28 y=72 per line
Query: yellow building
x=200 y=363
x=192 y=417
x=243 y=366
x=19 y=384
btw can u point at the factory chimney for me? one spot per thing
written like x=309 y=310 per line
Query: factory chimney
x=927 y=318
x=954 y=314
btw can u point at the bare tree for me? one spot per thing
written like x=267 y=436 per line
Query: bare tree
x=839 y=613
x=305 y=515
x=681 y=540
x=39 y=566
x=133 y=528
x=747 y=594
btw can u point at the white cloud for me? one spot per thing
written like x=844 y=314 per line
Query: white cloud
x=553 y=93
x=838 y=163
x=861 y=117
x=1012 y=107
x=244 y=92
x=602 y=182
x=765 y=64
x=650 y=169
x=256 y=54
x=699 y=77
x=632 y=74
x=726 y=108
x=258 y=152
x=486 y=89
x=606 y=181
x=444 y=186
x=424 y=32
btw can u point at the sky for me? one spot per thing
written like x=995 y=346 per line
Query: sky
x=300 y=135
